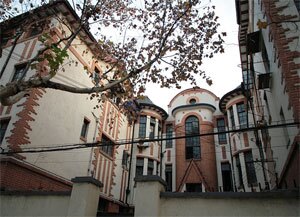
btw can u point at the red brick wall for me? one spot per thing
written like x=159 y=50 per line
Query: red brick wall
x=16 y=175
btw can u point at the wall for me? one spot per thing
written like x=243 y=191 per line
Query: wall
x=81 y=201
x=51 y=204
x=280 y=203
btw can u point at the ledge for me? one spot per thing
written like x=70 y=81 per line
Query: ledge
x=36 y=193
x=150 y=178
x=87 y=179
x=284 y=194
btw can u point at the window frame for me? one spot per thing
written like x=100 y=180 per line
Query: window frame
x=139 y=167
x=142 y=126
x=192 y=144
x=222 y=137
x=84 y=129
x=3 y=130
x=107 y=146
x=150 y=167
x=19 y=74
x=242 y=115
x=250 y=168
x=169 y=134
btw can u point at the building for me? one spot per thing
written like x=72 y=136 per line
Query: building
x=270 y=53
x=51 y=119
x=240 y=142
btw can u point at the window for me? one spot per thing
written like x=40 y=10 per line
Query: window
x=152 y=128
x=231 y=117
x=169 y=134
x=36 y=28
x=193 y=101
x=142 y=129
x=221 y=128
x=250 y=169
x=193 y=187
x=297 y=4
x=265 y=57
x=242 y=115
x=107 y=146
x=84 y=129
x=19 y=72
x=125 y=159
x=150 y=167
x=226 y=177
x=239 y=170
x=192 y=144
x=3 y=126
x=284 y=128
x=168 y=173
x=139 y=167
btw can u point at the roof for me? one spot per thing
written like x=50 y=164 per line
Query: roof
x=52 y=8
x=145 y=102
x=225 y=99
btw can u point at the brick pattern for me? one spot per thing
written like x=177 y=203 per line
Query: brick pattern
x=286 y=56
x=16 y=175
x=21 y=128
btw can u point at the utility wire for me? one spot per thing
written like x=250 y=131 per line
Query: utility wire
x=141 y=141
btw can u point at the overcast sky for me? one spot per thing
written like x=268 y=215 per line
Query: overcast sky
x=223 y=69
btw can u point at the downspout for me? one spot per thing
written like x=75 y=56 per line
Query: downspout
x=130 y=164
x=232 y=167
x=161 y=151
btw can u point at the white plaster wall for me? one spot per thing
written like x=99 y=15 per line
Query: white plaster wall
x=228 y=207
x=49 y=205
x=277 y=97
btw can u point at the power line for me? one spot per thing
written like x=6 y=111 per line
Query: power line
x=141 y=141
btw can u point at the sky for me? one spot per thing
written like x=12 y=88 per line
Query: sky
x=223 y=68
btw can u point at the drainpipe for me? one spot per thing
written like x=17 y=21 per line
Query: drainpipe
x=130 y=164
x=232 y=167
x=161 y=151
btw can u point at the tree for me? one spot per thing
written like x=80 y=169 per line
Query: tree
x=168 y=43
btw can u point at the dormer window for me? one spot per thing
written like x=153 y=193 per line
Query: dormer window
x=192 y=101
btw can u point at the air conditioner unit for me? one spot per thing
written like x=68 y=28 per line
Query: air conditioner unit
x=264 y=81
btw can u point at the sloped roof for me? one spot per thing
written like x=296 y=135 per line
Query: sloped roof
x=145 y=102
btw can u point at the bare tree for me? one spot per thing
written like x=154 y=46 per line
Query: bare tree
x=168 y=43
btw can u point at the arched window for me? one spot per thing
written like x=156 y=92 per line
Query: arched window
x=192 y=144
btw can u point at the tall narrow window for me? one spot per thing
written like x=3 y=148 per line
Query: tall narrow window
x=192 y=143
x=84 y=129
x=242 y=115
x=284 y=128
x=168 y=173
x=139 y=167
x=239 y=170
x=19 y=72
x=226 y=176
x=250 y=169
x=169 y=134
x=107 y=146
x=150 y=167
x=152 y=128
x=125 y=159
x=231 y=117
x=221 y=128
x=3 y=127
x=143 y=124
